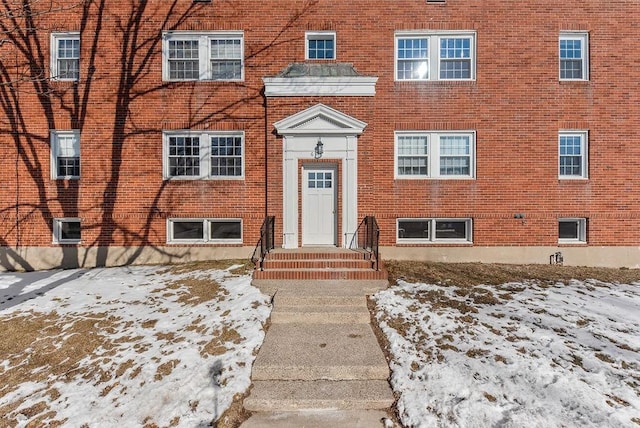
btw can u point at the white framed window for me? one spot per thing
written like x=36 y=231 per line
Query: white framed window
x=188 y=55
x=434 y=230
x=574 y=55
x=66 y=230
x=434 y=154
x=320 y=45
x=435 y=55
x=222 y=231
x=65 y=56
x=572 y=154
x=203 y=155
x=65 y=155
x=572 y=230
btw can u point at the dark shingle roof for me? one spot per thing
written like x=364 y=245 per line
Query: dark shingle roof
x=301 y=69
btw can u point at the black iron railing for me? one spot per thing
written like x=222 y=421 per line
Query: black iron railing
x=266 y=242
x=367 y=237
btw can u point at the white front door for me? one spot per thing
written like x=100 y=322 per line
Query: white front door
x=319 y=206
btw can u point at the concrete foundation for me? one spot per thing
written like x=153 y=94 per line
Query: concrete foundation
x=40 y=258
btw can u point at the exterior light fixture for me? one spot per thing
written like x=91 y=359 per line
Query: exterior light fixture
x=319 y=150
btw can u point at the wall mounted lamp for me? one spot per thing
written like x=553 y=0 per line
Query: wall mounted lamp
x=319 y=150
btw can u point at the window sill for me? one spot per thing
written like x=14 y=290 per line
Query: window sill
x=414 y=83
x=204 y=244
x=435 y=244
x=573 y=179
x=187 y=81
x=443 y=178
x=576 y=82
x=212 y=179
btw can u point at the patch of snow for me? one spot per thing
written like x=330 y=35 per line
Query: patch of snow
x=566 y=355
x=157 y=343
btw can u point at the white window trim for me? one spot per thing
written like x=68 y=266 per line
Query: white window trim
x=53 y=53
x=582 y=230
x=55 y=145
x=433 y=168
x=584 y=139
x=57 y=230
x=205 y=155
x=432 y=231
x=206 y=231
x=311 y=35
x=433 y=42
x=204 y=52
x=584 y=37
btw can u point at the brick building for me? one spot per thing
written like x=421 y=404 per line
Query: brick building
x=165 y=130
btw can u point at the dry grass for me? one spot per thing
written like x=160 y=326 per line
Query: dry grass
x=244 y=266
x=48 y=347
x=470 y=274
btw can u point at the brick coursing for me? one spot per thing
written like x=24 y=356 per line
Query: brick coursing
x=516 y=106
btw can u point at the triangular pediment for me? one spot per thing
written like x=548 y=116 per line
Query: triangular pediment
x=320 y=119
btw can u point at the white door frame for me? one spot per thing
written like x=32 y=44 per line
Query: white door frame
x=339 y=134
x=310 y=215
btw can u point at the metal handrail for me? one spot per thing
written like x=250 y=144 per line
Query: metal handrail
x=367 y=237
x=266 y=242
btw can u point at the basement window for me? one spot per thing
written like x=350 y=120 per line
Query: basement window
x=433 y=230
x=66 y=230
x=223 y=231
x=572 y=230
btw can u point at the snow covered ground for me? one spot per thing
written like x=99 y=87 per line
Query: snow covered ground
x=516 y=355
x=156 y=346
x=133 y=346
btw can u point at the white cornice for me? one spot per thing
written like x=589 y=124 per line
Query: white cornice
x=320 y=86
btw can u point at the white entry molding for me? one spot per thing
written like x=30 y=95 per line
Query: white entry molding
x=339 y=133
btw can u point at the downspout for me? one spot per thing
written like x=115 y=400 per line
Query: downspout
x=266 y=152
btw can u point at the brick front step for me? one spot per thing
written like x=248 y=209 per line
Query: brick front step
x=317 y=264
x=335 y=274
x=317 y=255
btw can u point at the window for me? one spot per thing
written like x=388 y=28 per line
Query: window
x=572 y=230
x=574 y=61
x=437 y=56
x=321 y=45
x=572 y=149
x=205 y=230
x=65 y=56
x=66 y=230
x=65 y=154
x=195 y=155
x=425 y=230
x=435 y=154
x=203 y=56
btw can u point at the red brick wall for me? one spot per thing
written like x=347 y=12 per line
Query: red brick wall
x=516 y=105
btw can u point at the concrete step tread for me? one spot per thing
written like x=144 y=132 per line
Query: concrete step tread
x=320 y=318
x=320 y=287
x=319 y=394
x=321 y=309
x=301 y=300
x=317 y=419
x=299 y=351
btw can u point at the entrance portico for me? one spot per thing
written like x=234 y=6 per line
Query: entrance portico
x=317 y=143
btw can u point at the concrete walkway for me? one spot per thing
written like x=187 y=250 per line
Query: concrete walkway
x=320 y=364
